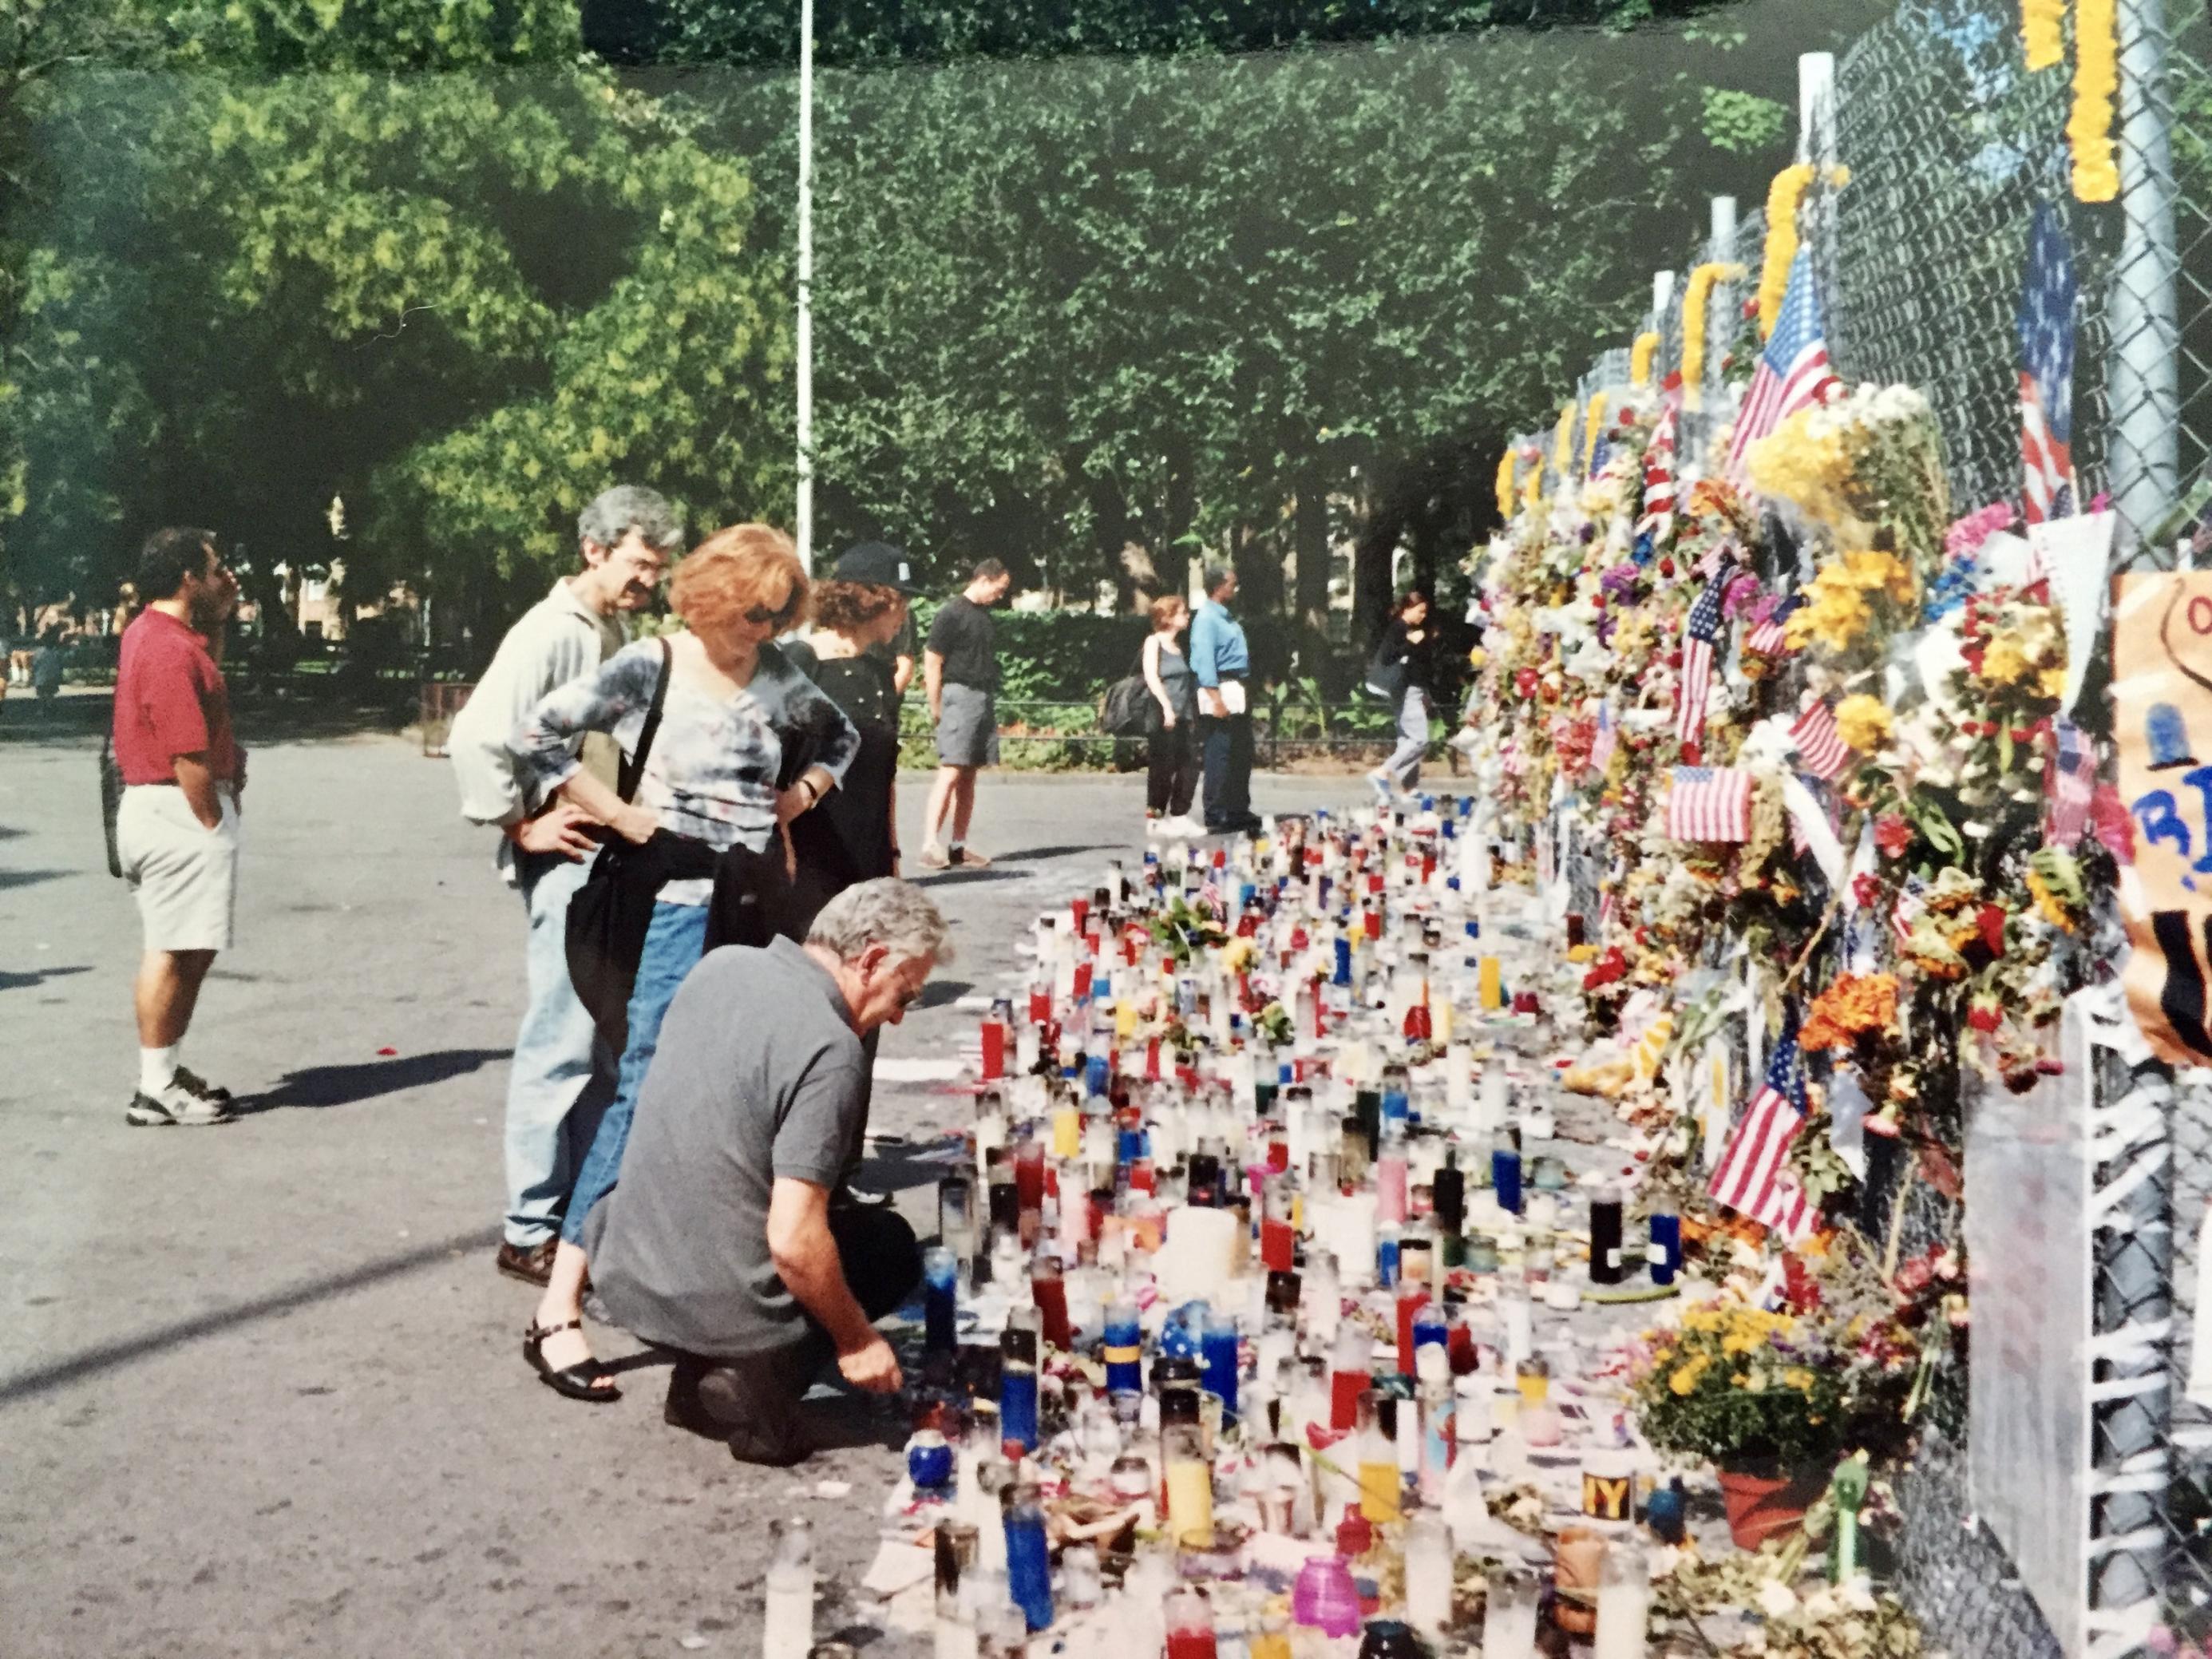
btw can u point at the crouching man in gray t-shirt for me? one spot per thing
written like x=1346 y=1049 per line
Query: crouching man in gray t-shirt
x=729 y=1238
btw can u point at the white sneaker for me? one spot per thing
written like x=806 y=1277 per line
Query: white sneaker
x=1185 y=828
x=175 y=1104
x=1155 y=827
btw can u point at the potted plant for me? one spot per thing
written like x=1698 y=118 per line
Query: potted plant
x=1767 y=1398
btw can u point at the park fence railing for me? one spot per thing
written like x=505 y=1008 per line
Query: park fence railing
x=1935 y=147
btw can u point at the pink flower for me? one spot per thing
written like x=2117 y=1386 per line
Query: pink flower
x=1964 y=539
x=1743 y=594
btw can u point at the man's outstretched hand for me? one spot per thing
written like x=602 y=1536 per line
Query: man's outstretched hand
x=873 y=1367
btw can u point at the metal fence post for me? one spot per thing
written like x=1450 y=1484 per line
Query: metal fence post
x=2143 y=380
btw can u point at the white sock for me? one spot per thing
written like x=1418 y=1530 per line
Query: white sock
x=157 y=1068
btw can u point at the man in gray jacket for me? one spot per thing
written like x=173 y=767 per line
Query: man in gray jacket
x=561 y=1075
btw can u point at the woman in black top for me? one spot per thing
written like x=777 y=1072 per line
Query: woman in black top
x=854 y=834
x=1407 y=654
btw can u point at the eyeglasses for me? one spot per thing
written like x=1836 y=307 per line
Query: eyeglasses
x=761 y=617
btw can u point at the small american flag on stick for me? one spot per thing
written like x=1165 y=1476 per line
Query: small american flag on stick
x=1768 y=638
x=1793 y=371
x=1821 y=750
x=1754 y=1178
x=1710 y=803
x=2073 y=785
x=1700 y=632
x=2046 y=371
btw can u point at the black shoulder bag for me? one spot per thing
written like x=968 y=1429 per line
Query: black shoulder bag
x=603 y=940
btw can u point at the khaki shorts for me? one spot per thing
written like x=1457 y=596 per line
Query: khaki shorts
x=183 y=875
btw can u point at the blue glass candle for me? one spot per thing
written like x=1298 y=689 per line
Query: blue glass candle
x=1386 y=1256
x=1017 y=1404
x=1666 y=1256
x=1430 y=1329
x=1130 y=1147
x=940 y=1273
x=1097 y=1076
x=1343 y=975
x=1217 y=1349
x=1029 y=1556
x=1506 y=1177
x=1124 y=1346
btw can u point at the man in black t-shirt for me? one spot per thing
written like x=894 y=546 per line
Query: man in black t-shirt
x=960 y=672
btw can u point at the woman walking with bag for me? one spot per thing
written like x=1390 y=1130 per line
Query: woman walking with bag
x=1171 y=726
x=1406 y=656
x=705 y=782
x=854 y=837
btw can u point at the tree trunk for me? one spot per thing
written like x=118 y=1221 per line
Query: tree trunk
x=1372 y=591
x=1309 y=539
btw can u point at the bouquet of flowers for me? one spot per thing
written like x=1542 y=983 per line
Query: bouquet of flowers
x=1733 y=1384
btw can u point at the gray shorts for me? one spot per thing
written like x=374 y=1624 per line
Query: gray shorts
x=183 y=875
x=968 y=727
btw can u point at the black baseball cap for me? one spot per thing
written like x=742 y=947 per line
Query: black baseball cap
x=879 y=564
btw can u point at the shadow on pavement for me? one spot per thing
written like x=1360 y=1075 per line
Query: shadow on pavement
x=896 y=1166
x=1037 y=854
x=959 y=878
x=942 y=992
x=41 y=1379
x=348 y=1085
x=30 y=878
x=38 y=976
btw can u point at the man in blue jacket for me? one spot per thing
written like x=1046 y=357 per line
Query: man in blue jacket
x=1222 y=663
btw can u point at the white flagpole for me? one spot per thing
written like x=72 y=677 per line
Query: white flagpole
x=805 y=340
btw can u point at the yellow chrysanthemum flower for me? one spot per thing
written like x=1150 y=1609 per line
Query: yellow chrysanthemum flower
x=1864 y=723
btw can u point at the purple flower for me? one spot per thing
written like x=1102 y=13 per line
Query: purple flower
x=1743 y=594
x=1621 y=581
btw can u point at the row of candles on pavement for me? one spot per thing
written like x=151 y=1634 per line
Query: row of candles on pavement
x=1153 y=1187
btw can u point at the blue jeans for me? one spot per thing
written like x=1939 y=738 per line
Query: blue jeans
x=562 y=1075
x=674 y=945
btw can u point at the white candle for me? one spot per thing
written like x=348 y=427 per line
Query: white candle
x=1354 y=1225
x=1494 y=1098
x=1624 y=1603
x=1198 y=1257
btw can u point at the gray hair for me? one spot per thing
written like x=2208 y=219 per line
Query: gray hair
x=1215 y=575
x=614 y=513
x=894 y=914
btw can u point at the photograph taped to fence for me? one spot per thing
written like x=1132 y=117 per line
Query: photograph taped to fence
x=2162 y=714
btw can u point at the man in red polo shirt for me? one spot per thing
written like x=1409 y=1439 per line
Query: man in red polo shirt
x=176 y=829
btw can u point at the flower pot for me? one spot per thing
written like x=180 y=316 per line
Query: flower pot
x=1764 y=1502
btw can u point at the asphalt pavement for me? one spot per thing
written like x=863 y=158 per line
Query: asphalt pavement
x=261 y=1392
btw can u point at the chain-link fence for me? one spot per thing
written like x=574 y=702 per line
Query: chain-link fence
x=1951 y=146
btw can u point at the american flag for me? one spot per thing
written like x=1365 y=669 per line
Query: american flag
x=2046 y=371
x=1821 y=750
x=1754 y=1178
x=1658 y=519
x=1699 y=634
x=2073 y=785
x=1710 y=803
x=1767 y=638
x=1793 y=371
x=1607 y=740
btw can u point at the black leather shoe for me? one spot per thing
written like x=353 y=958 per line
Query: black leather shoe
x=532 y=1264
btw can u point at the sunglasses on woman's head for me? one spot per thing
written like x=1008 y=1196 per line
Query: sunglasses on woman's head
x=761 y=617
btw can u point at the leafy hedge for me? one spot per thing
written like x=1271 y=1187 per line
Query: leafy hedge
x=1056 y=656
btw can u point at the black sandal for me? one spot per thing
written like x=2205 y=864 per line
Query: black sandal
x=572 y=1382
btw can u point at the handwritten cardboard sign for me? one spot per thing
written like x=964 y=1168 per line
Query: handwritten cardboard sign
x=2162 y=719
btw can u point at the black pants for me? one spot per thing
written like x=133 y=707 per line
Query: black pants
x=1227 y=770
x=752 y=1403
x=1172 y=777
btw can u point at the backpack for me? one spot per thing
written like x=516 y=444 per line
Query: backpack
x=1126 y=710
